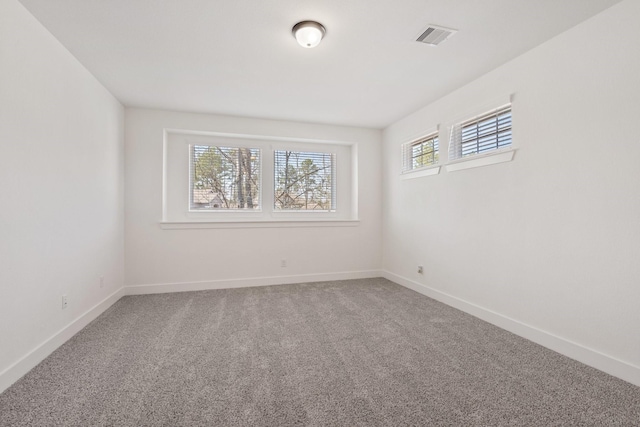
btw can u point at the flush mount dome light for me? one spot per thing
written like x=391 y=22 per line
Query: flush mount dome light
x=308 y=33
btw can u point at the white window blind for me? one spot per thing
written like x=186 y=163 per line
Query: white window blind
x=304 y=181
x=420 y=153
x=224 y=178
x=481 y=134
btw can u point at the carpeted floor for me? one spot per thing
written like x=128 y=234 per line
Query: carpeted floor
x=349 y=353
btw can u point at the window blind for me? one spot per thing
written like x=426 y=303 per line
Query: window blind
x=420 y=153
x=304 y=180
x=490 y=131
x=224 y=178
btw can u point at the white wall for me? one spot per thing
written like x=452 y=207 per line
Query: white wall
x=61 y=192
x=209 y=258
x=547 y=245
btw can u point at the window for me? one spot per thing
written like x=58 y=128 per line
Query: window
x=482 y=134
x=421 y=153
x=304 y=181
x=235 y=180
x=224 y=178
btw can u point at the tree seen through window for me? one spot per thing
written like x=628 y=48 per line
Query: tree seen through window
x=304 y=181
x=224 y=178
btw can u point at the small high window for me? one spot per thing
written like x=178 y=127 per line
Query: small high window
x=420 y=153
x=482 y=134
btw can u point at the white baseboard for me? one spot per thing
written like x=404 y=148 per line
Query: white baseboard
x=603 y=362
x=248 y=282
x=588 y=356
x=16 y=371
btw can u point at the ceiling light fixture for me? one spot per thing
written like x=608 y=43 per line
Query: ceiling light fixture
x=308 y=33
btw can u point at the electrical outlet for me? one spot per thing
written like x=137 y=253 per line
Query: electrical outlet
x=64 y=302
x=420 y=270
x=102 y=281
x=283 y=263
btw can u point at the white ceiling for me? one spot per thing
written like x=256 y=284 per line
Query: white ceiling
x=238 y=57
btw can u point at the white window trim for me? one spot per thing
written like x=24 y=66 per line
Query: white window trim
x=174 y=216
x=422 y=172
x=458 y=130
x=501 y=155
x=298 y=223
x=491 y=158
x=427 y=170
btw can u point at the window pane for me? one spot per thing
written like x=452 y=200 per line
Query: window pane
x=487 y=133
x=224 y=178
x=422 y=153
x=304 y=181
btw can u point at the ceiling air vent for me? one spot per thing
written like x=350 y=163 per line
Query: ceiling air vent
x=435 y=35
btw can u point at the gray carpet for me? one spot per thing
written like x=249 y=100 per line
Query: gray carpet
x=349 y=353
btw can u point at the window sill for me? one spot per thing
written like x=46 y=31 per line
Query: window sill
x=479 y=161
x=170 y=225
x=428 y=171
